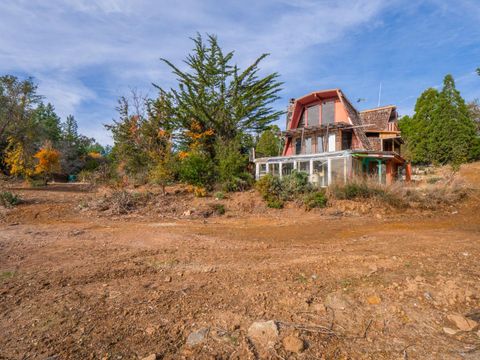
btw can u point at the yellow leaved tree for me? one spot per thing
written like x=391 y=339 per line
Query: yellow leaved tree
x=17 y=160
x=48 y=161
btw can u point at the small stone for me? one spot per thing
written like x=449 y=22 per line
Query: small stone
x=427 y=296
x=168 y=279
x=449 y=331
x=150 y=330
x=462 y=322
x=265 y=333
x=374 y=300
x=293 y=344
x=197 y=337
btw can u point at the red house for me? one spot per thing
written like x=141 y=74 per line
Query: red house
x=332 y=141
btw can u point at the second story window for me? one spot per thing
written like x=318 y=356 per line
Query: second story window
x=328 y=112
x=298 y=146
x=313 y=115
x=301 y=123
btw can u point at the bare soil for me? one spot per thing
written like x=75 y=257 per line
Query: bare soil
x=81 y=284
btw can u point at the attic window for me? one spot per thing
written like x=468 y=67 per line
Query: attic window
x=328 y=112
x=313 y=115
x=301 y=123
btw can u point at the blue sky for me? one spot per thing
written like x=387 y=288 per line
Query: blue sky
x=85 y=54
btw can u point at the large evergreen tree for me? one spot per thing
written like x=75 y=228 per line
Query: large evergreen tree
x=442 y=129
x=219 y=96
x=269 y=143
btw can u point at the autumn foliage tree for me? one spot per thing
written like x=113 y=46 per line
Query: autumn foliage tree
x=48 y=162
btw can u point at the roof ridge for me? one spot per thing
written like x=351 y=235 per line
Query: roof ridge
x=379 y=108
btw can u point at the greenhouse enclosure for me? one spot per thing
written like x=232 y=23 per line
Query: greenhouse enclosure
x=335 y=167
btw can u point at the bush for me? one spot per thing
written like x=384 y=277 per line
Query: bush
x=8 y=199
x=218 y=209
x=316 y=199
x=197 y=169
x=219 y=195
x=231 y=167
x=276 y=191
x=353 y=190
x=121 y=202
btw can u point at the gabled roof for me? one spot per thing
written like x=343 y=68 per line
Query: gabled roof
x=378 y=117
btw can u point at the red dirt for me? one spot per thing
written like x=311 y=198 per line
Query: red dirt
x=81 y=285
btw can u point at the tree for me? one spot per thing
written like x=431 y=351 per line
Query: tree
x=220 y=97
x=19 y=163
x=442 y=130
x=48 y=161
x=453 y=134
x=47 y=123
x=417 y=129
x=269 y=143
x=474 y=110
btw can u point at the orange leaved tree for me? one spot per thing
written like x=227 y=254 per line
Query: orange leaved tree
x=48 y=161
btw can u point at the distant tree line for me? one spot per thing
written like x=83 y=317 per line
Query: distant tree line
x=444 y=129
x=34 y=142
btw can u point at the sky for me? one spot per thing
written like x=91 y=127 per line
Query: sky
x=85 y=54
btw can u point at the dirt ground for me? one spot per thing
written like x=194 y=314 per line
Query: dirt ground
x=81 y=285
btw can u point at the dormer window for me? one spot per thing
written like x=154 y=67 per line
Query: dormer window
x=313 y=115
x=328 y=112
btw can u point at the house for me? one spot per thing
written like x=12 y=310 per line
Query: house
x=332 y=141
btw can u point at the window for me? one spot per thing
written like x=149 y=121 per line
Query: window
x=328 y=112
x=304 y=166
x=274 y=169
x=313 y=115
x=301 y=123
x=298 y=146
x=331 y=142
x=287 y=168
x=308 y=145
x=320 y=172
x=346 y=140
x=263 y=169
x=320 y=148
x=338 y=170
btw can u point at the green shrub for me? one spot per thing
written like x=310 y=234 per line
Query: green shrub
x=197 y=169
x=8 y=199
x=219 y=195
x=354 y=190
x=231 y=167
x=274 y=203
x=316 y=199
x=218 y=209
x=294 y=184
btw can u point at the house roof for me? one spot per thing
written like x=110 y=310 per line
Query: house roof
x=379 y=117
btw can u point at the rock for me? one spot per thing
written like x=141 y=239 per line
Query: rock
x=449 y=331
x=197 y=337
x=187 y=213
x=293 y=344
x=462 y=323
x=150 y=357
x=374 y=300
x=168 y=279
x=427 y=296
x=265 y=333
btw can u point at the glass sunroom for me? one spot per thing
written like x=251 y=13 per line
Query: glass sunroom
x=333 y=167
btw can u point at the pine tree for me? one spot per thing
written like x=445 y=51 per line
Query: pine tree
x=47 y=123
x=453 y=132
x=219 y=96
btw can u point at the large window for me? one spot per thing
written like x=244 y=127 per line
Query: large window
x=298 y=146
x=274 y=169
x=328 y=112
x=338 y=170
x=320 y=172
x=301 y=123
x=308 y=145
x=304 y=166
x=313 y=115
x=320 y=148
x=287 y=168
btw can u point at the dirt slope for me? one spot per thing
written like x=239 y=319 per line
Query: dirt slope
x=78 y=286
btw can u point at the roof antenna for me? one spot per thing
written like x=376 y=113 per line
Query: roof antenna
x=379 y=94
